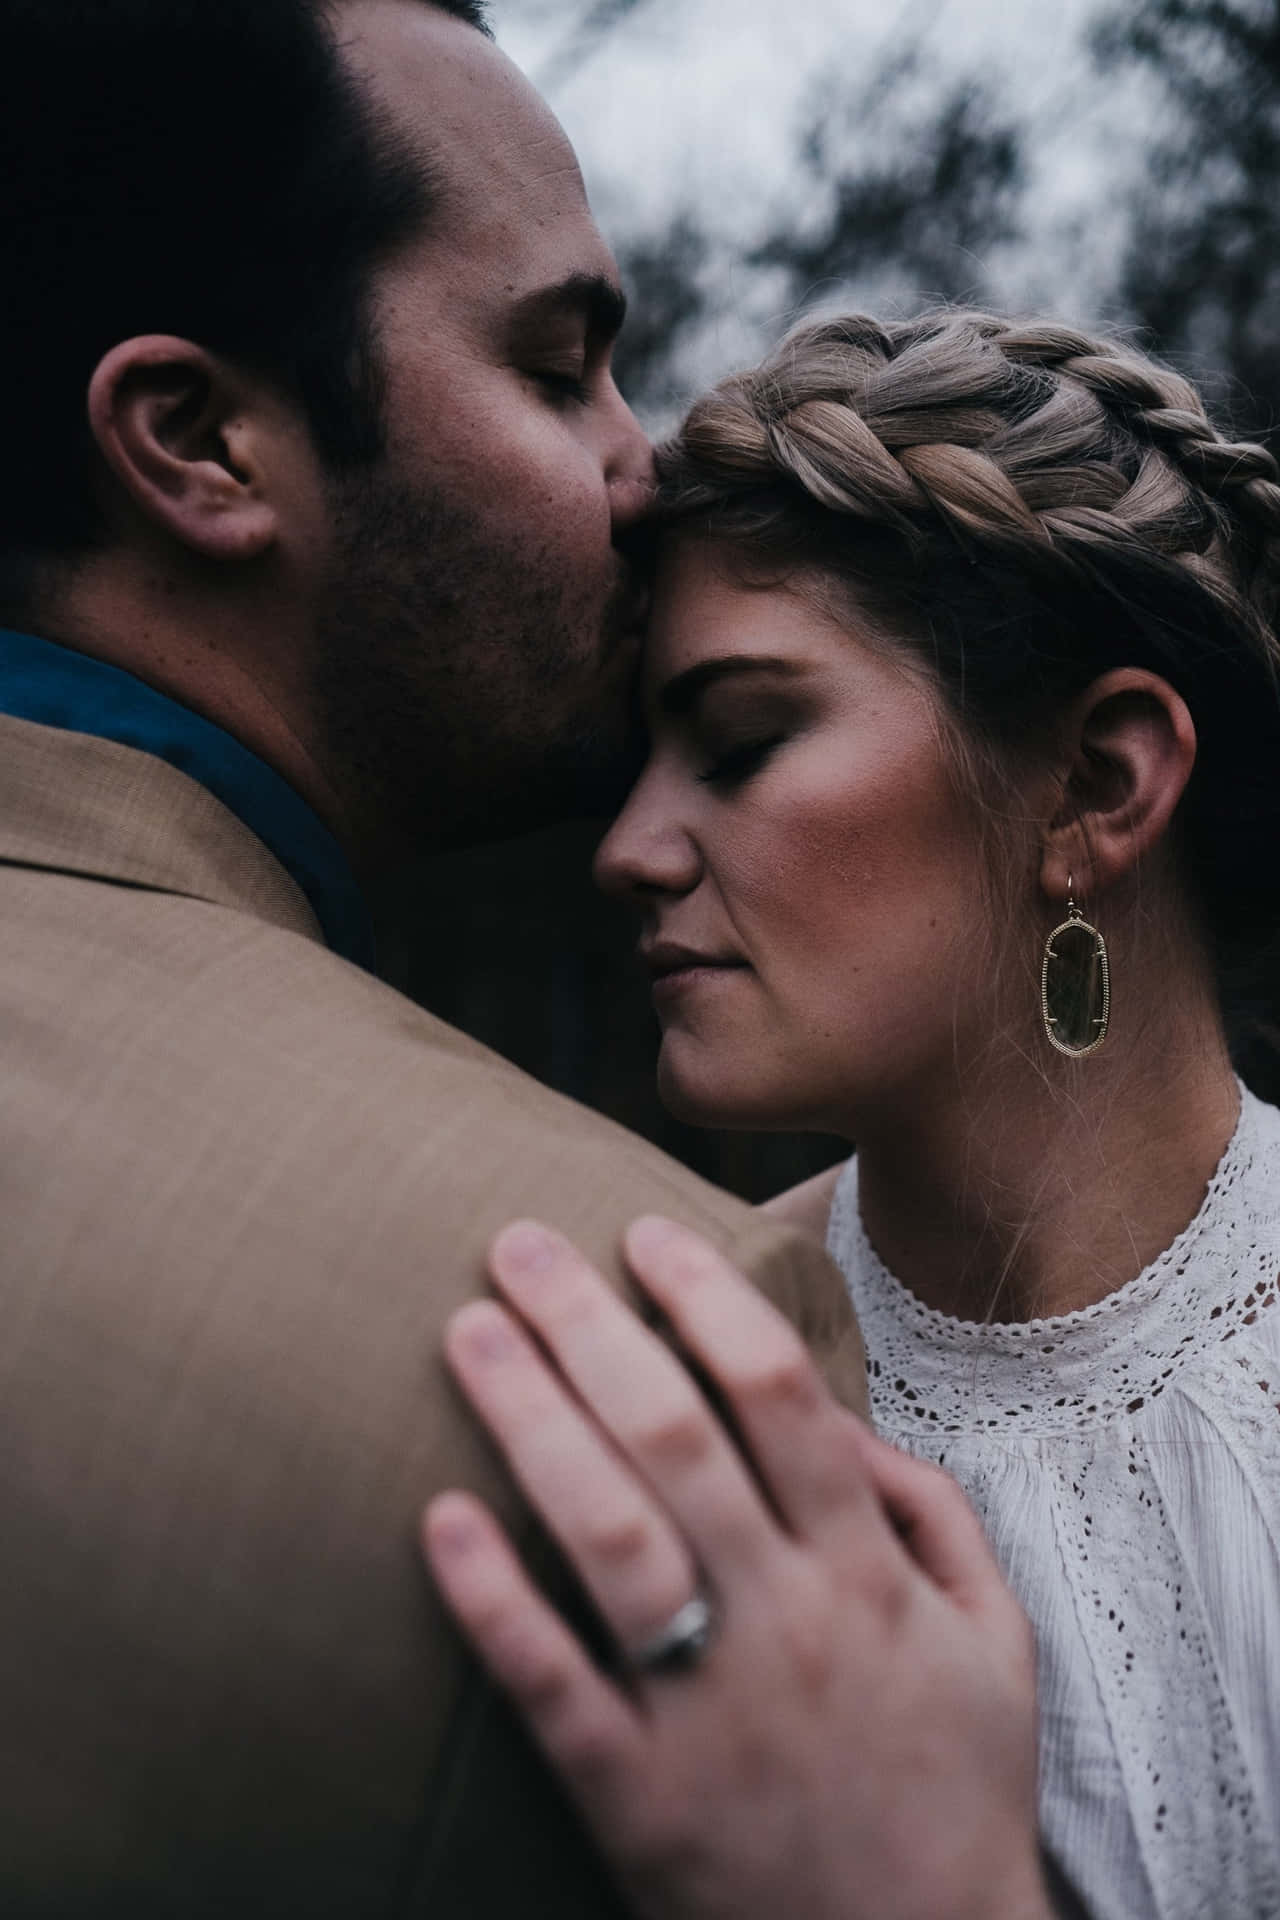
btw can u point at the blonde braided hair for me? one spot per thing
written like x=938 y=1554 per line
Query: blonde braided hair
x=1027 y=506
x=1008 y=435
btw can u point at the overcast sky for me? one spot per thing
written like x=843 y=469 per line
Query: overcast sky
x=695 y=104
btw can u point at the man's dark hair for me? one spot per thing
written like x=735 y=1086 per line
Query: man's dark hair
x=207 y=168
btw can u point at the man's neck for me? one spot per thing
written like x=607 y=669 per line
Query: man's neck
x=64 y=689
x=232 y=661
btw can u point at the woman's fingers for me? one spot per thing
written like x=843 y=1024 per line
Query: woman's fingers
x=855 y=1676
x=803 y=1443
x=588 y=1730
x=630 y=1557
x=639 y=1392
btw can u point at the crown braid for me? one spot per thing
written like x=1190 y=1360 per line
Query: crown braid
x=1014 y=437
x=1027 y=506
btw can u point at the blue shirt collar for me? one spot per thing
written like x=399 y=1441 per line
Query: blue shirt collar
x=57 y=687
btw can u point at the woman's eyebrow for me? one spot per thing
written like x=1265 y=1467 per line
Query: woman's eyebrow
x=682 y=691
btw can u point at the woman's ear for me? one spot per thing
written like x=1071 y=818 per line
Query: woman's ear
x=1128 y=750
x=179 y=431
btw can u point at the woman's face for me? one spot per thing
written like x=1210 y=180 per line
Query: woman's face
x=810 y=881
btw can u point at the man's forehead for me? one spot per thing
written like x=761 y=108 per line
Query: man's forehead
x=510 y=212
x=456 y=97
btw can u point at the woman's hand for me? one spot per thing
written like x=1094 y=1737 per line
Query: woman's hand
x=859 y=1737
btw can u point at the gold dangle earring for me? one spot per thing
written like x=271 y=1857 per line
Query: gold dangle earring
x=1075 y=986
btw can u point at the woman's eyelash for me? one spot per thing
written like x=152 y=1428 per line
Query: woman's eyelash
x=738 y=763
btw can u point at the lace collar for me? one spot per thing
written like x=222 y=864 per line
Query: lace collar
x=932 y=1372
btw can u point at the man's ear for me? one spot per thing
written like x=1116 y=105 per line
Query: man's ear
x=1129 y=745
x=178 y=429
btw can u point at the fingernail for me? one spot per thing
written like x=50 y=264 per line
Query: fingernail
x=525 y=1245
x=483 y=1329
x=450 y=1528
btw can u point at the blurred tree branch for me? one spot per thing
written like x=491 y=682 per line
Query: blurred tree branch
x=596 y=21
x=1202 y=269
x=929 y=205
x=914 y=174
x=664 y=284
x=906 y=176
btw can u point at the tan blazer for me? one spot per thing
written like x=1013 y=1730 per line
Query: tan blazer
x=241 y=1186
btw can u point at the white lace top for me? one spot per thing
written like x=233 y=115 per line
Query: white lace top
x=1126 y=1462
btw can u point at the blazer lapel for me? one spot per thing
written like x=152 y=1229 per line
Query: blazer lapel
x=73 y=803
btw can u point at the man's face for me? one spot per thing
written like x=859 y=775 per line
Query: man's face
x=478 y=622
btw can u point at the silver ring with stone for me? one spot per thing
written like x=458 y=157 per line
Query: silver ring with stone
x=681 y=1644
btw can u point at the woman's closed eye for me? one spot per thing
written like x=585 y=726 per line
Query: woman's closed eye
x=735 y=763
x=731 y=728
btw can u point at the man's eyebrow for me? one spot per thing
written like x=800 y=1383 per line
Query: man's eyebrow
x=600 y=299
x=684 y=689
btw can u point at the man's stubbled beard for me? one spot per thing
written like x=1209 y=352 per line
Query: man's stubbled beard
x=467 y=690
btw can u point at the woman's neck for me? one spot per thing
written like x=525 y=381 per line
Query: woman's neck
x=1016 y=1198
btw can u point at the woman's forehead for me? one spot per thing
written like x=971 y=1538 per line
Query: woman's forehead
x=708 y=601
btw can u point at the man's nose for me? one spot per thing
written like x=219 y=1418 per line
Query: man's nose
x=631 y=474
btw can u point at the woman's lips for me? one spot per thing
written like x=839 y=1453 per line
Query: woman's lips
x=678 y=970
x=684 y=980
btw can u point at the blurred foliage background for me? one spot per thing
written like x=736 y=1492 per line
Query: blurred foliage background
x=1125 y=172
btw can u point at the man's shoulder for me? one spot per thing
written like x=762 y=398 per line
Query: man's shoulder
x=263 y=1073
x=224 y=1097
x=808 y=1205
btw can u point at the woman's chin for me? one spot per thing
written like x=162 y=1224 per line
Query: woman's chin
x=697 y=1099
x=706 y=1099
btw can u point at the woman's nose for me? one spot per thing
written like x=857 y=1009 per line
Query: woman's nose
x=647 y=850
